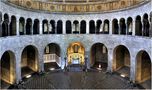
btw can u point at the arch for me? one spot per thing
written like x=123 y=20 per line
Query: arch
x=29 y=26
x=92 y=27
x=21 y=26
x=13 y=26
x=36 y=27
x=99 y=56
x=76 y=27
x=130 y=26
x=52 y=27
x=115 y=26
x=83 y=27
x=52 y=54
x=146 y=25
x=106 y=27
x=29 y=60
x=143 y=67
x=8 y=68
x=122 y=26
x=68 y=27
x=99 y=27
x=121 y=60
x=59 y=27
x=45 y=26
x=76 y=54
x=138 y=26
x=5 y=31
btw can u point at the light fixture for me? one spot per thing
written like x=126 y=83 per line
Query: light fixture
x=51 y=69
x=122 y=75
x=99 y=67
x=28 y=76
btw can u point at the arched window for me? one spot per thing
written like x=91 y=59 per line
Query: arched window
x=76 y=27
x=45 y=26
x=59 y=27
x=115 y=26
x=28 y=26
x=129 y=26
x=36 y=26
x=138 y=27
x=92 y=27
x=99 y=28
x=106 y=27
x=5 y=31
x=83 y=27
x=52 y=27
x=13 y=26
x=68 y=27
x=146 y=25
x=122 y=26
x=21 y=26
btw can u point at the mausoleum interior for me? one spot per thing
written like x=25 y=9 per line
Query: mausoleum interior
x=75 y=44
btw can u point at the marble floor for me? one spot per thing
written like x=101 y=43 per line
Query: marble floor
x=60 y=79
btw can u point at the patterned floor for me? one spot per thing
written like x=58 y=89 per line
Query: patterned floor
x=77 y=80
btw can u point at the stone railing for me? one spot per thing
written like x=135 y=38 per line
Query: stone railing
x=74 y=7
x=51 y=58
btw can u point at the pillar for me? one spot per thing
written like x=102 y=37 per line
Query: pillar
x=32 y=27
x=64 y=27
x=133 y=27
x=40 y=61
x=95 y=23
x=55 y=23
x=87 y=55
x=25 y=27
x=1 y=28
x=133 y=68
x=87 y=27
x=17 y=26
x=40 y=27
x=110 y=27
x=110 y=60
x=142 y=26
x=150 y=30
x=119 y=28
x=18 y=67
x=126 y=26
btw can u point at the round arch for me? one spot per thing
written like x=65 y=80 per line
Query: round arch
x=99 y=56
x=8 y=68
x=143 y=67
x=76 y=53
x=29 y=61
x=52 y=57
x=121 y=60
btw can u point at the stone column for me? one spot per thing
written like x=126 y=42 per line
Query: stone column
x=55 y=23
x=40 y=59
x=18 y=67
x=110 y=60
x=110 y=27
x=87 y=27
x=17 y=27
x=40 y=27
x=142 y=26
x=133 y=68
x=126 y=27
x=25 y=27
x=95 y=23
x=119 y=28
x=64 y=27
x=133 y=27
x=87 y=55
x=8 y=29
x=32 y=27
x=150 y=29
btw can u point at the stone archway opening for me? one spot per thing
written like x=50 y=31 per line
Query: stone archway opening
x=99 y=56
x=143 y=68
x=29 y=61
x=76 y=53
x=52 y=59
x=121 y=61
x=7 y=69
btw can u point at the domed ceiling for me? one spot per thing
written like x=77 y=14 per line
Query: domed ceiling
x=76 y=6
